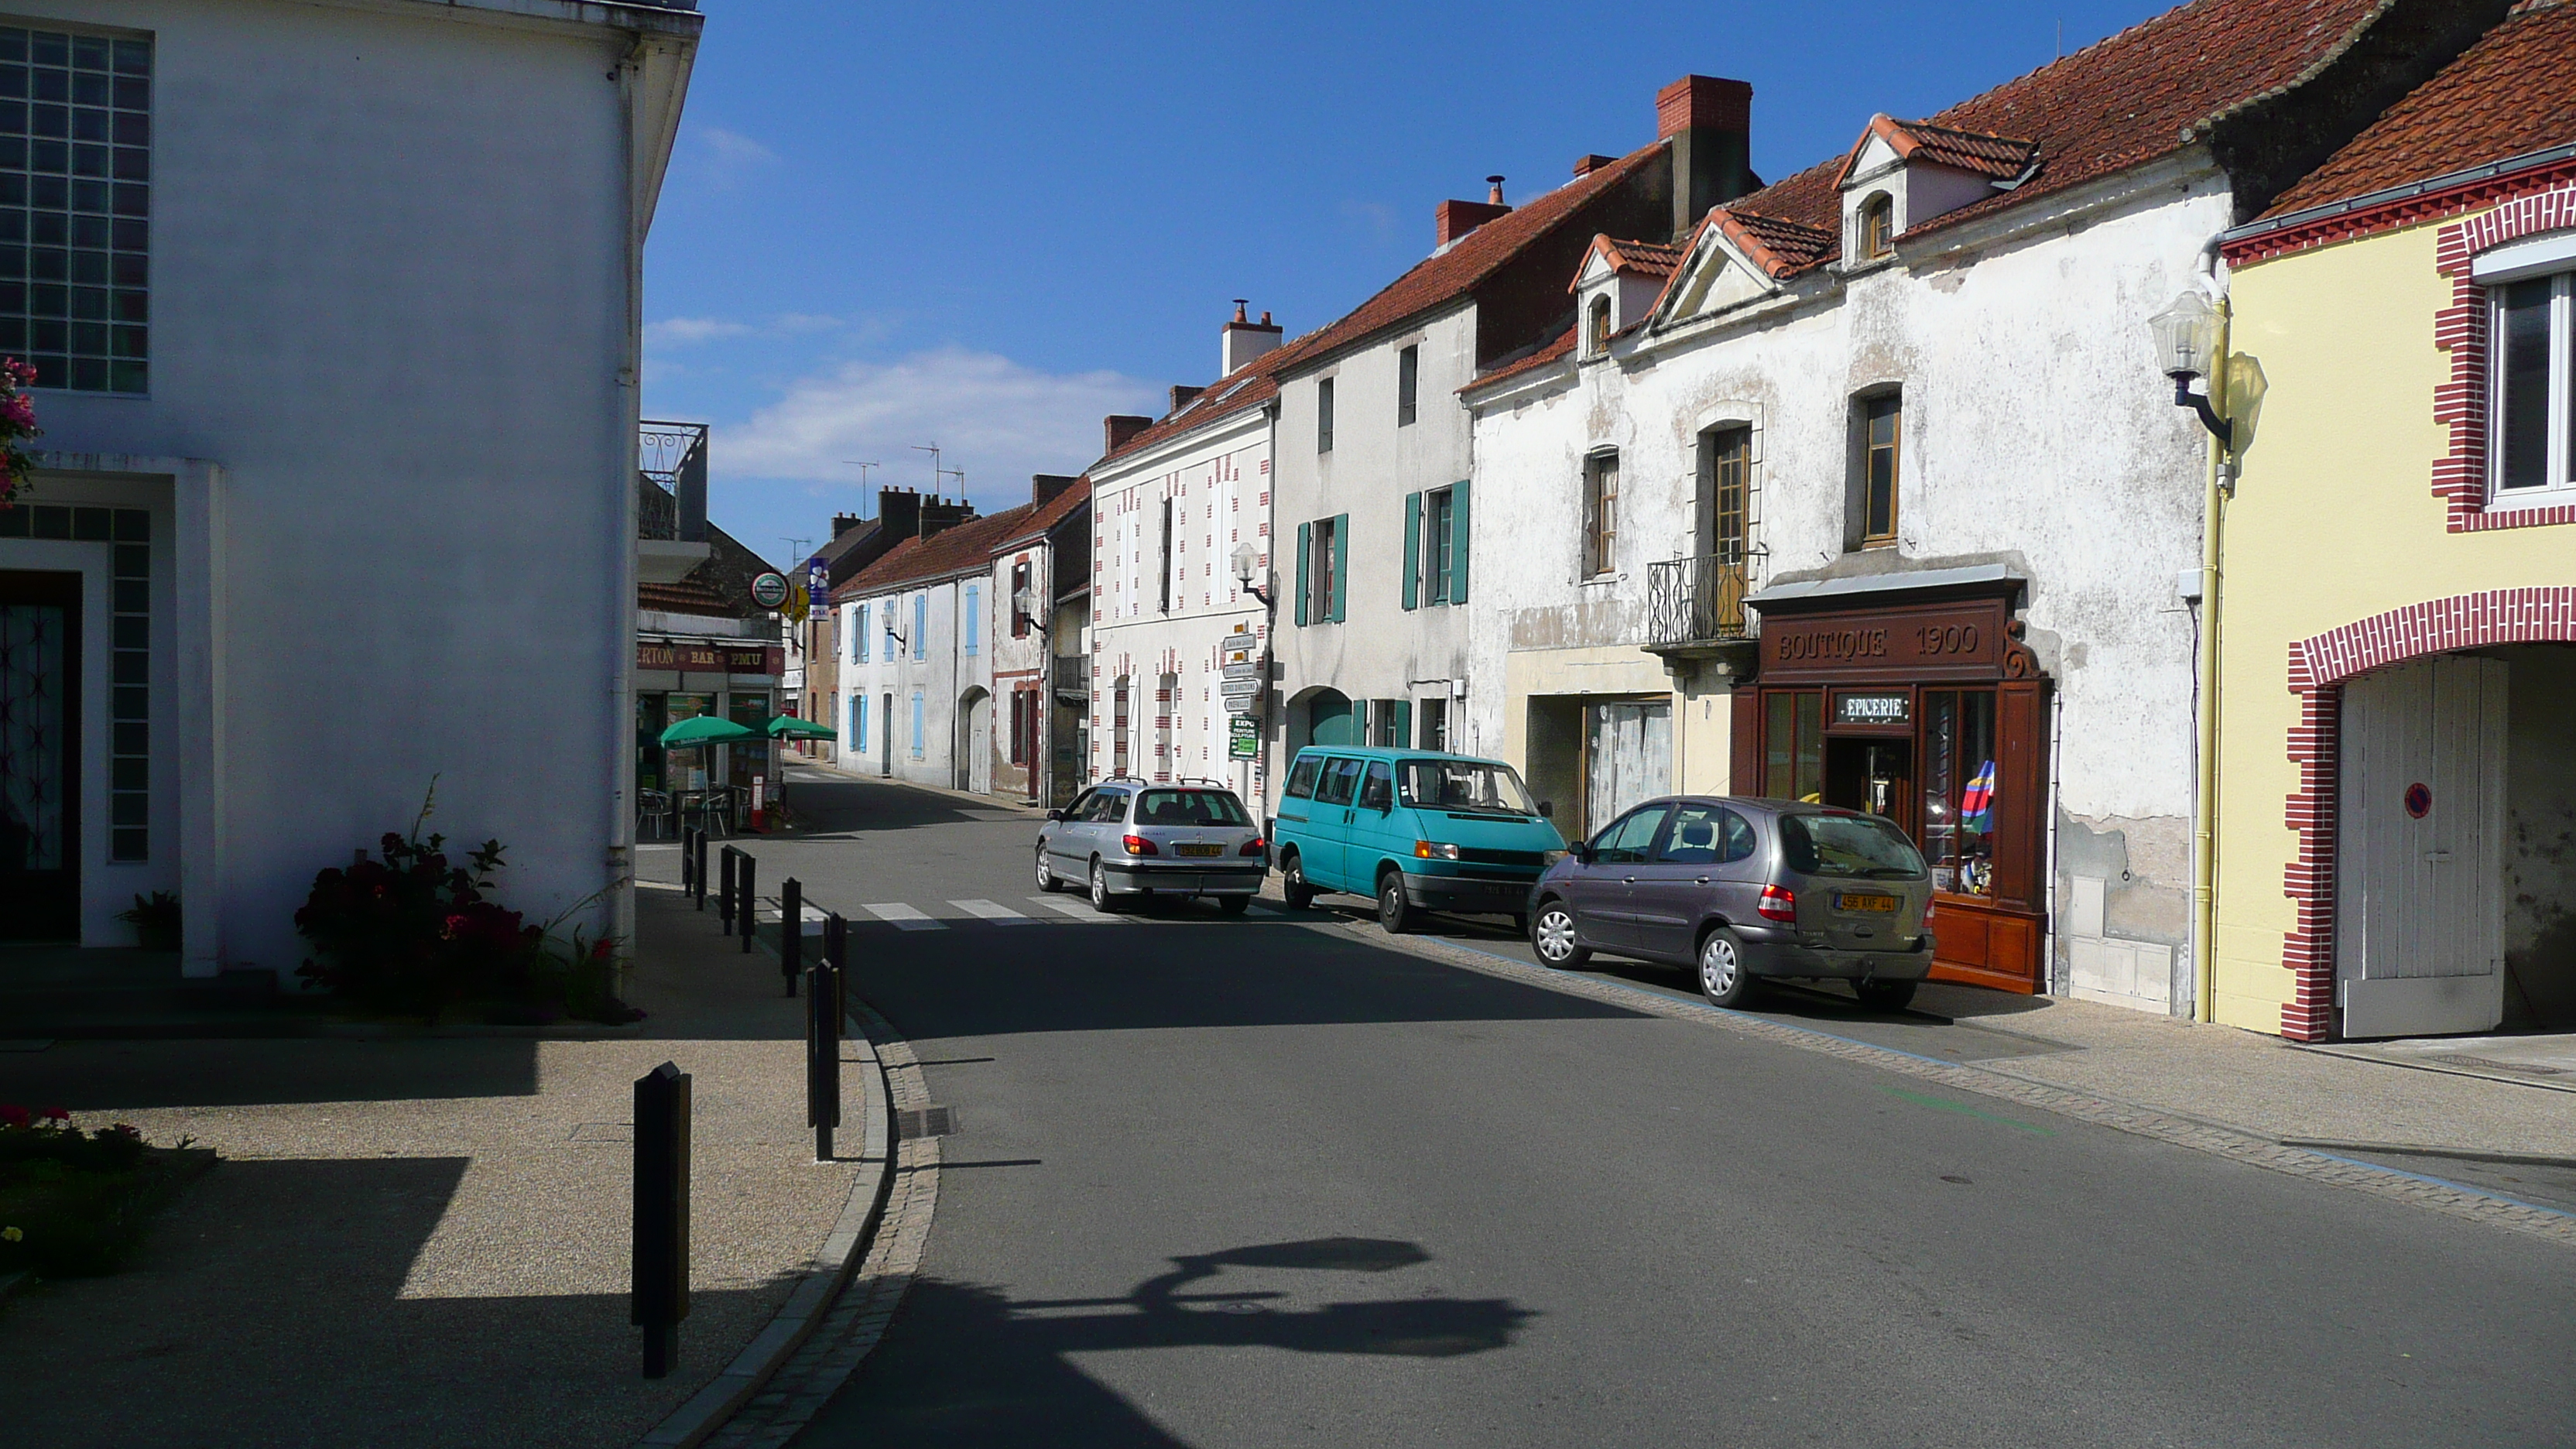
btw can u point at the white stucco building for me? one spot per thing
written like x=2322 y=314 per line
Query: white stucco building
x=1377 y=570
x=340 y=397
x=1038 y=576
x=1877 y=494
x=1174 y=498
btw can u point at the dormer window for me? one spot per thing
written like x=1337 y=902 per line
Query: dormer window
x=1877 y=228
x=1597 y=327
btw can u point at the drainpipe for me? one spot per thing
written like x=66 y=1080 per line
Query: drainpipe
x=2218 y=483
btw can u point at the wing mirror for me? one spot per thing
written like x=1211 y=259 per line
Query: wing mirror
x=1055 y=815
x=1547 y=810
x=1581 y=850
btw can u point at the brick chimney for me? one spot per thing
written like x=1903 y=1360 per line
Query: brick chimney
x=1043 y=487
x=1457 y=218
x=1183 y=396
x=1117 y=428
x=938 y=514
x=1710 y=125
x=1586 y=165
x=843 y=523
x=900 y=508
x=1243 y=341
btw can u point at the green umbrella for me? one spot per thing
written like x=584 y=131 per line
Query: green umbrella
x=789 y=727
x=707 y=730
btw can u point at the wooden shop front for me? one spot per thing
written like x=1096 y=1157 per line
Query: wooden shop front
x=1924 y=707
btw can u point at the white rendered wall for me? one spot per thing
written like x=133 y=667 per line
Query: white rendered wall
x=942 y=675
x=1382 y=650
x=1218 y=482
x=398 y=327
x=2037 y=433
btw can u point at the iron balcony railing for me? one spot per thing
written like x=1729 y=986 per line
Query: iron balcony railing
x=673 y=456
x=1697 y=600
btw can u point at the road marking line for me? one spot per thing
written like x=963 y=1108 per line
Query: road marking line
x=998 y=914
x=903 y=917
x=1079 y=913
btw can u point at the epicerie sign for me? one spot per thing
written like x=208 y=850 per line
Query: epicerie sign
x=1876 y=709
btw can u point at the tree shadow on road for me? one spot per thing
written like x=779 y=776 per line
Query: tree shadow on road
x=967 y=1365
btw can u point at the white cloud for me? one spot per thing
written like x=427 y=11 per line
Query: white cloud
x=689 y=331
x=795 y=322
x=733 y=149
x=991 y=416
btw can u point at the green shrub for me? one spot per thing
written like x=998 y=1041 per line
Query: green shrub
x=74 y=1203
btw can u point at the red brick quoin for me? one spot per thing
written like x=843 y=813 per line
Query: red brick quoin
x=2460 y=479
x=2318 y=669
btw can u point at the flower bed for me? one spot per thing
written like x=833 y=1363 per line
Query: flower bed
x=74 y=1203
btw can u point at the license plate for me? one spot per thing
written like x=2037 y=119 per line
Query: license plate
x=1194 y=848
x=1883 y=905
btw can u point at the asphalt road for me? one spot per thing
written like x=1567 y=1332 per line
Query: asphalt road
x=1263 y=1181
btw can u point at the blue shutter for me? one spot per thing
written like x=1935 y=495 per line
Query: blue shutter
x=916 y=724
x=974 y=617
x=920 y=643
x=1412 y=547
x=1305 y=551
x=1341 y=567
x=1458 y=542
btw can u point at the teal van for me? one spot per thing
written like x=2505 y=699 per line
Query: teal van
x=1419 y=830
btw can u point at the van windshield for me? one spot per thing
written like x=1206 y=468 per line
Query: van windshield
x=1466 y=785
x=1190 y=807
x=1862 y=846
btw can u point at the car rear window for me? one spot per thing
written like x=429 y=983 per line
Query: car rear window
x=1859 y=846
x=1190 y=807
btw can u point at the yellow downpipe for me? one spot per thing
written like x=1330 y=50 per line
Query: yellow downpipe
x=2204 y=886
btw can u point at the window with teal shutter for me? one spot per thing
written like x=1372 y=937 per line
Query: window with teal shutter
x=1458 y=542
x=1341 y=567
x=1305 y=580
x=1413 y=549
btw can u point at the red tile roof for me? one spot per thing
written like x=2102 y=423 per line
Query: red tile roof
x=1556 y=351
x=2513 y=92
x=1447 y=276
x=1641 y=258
x=1247 y=386
x=964 y=549
x=1047 y=515
x=687 y=596
x=2143 y=94
x=2002 y=157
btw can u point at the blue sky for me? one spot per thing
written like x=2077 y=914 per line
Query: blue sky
x=986 y=226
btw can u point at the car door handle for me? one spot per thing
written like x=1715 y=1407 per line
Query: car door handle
x=1627 y=880
x=1703 y=880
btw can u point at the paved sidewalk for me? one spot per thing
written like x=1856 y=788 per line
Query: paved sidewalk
x=424 y=1242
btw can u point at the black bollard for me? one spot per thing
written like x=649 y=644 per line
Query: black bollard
x=836 y=953
x=822 y=1058
x=724 y=897
x=747 y=907
x=686 y=879
x=791 y=930
x=660 y=1296
x=700 y=851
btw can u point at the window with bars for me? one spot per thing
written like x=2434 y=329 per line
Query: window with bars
x=75 y=207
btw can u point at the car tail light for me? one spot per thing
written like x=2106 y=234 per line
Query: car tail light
x=1254 y=846
x=1777 y=904
x=1139 y=845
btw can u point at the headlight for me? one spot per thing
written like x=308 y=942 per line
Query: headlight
x=1434 y=850
x=1548 y=858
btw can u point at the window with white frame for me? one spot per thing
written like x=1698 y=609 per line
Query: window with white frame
x=2532 y=452
x=75 y=207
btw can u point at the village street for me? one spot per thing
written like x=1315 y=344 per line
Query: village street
x=1269 y=1180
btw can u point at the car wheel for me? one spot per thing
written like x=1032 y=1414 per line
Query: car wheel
x=1046 y=874
x=1552 y=937
x=1884 y=995
x=1394 y=911
x=1722 y=977
x=1292 y=882
x=1234 y=905
x=1101 y=900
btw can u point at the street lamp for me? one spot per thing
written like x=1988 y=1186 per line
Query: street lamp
x=1245 y=558
x=1024 y=604
x=2187 y=347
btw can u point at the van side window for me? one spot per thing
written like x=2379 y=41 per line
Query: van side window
x=1378 y=791
x=1301 y=780
x=1336 y=787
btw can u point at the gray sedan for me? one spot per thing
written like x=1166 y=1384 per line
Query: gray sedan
x=1128 y=839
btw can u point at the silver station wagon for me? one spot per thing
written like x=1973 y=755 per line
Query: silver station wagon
x=1130 y=839
x=1740 y=890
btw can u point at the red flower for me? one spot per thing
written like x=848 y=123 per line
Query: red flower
x=55 y=1114
x=12 y=1115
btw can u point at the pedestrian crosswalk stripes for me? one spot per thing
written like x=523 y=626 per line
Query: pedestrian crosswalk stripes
x=1069 y=908
x=903 y=917
x=998 y=914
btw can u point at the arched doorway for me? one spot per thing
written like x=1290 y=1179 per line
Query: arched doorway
x=972 y=765
x=1330 y=719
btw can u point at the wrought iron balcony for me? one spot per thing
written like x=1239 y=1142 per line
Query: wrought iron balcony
x=1697 y=601
x=673 y=457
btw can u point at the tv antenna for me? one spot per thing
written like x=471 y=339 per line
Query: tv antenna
x=863 y=470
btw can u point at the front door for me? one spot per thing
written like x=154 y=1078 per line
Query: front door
x=39 y=756
x=1704 y=849
x=1328 y=825
x=2419 y=862
x=1603 y=891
